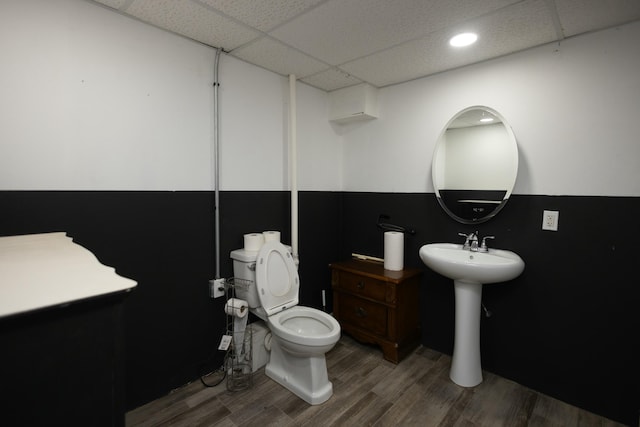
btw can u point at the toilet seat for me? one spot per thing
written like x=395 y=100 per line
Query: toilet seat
x=301 y=335
x=277 y=278
x=306 y=326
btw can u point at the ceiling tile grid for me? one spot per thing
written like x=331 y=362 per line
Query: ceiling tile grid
x=273 y=55
x=340 y=31
x=580 y=16
x=192 y=20
x=506 y=31
x=331 y=44
x=116 y=4
x=331 y=79
x=263 y=15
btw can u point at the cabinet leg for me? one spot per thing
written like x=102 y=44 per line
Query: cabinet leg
x=390 y=352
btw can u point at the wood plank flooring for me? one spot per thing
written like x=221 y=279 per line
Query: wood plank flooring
x=368 y=391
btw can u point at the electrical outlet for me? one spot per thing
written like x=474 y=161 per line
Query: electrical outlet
x=216 y=288
x=550 y=220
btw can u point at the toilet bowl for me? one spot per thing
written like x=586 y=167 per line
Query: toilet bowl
x=305 y=330
x=300 y=335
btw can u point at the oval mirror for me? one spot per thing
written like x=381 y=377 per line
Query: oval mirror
x=475 y=164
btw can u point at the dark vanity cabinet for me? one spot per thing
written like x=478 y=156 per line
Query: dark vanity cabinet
x=64 y=366
x=61 y=334
x=378 y=306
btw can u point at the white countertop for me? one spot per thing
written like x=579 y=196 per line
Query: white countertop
x=45 y=270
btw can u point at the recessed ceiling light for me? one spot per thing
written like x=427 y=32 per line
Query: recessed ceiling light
x=486 y=119
x=463 y=39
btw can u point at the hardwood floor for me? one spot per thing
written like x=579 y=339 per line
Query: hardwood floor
x=368 y=391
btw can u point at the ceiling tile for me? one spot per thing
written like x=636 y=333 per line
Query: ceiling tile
x=116 y=4
x=331 y=79
x=579 y=16
x=192 y=20
x=274 y=56
x=264 y=14
x=339 y=31
x=506 y=31
x=332 y=44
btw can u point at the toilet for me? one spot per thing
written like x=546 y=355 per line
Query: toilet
x=268 y=280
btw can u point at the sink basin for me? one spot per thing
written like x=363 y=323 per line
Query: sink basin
x=469 y=271
x=453 y=262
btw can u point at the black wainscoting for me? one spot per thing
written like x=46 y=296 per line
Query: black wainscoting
x=165 y=241
x=319 y=230
x=566 y=327
x=64 y=366
x=162 y=240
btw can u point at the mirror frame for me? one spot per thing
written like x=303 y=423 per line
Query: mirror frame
x=509 y=190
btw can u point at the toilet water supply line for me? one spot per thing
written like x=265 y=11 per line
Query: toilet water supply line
x=293 y=162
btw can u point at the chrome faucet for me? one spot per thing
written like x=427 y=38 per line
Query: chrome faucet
x=483 y=246
x=474 y=242
x=471 y=242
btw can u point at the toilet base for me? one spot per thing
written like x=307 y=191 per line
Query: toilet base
x=306 y=377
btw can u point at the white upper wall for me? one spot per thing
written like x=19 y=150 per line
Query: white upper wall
x=574 y=108
x=92 y=100
x=254 y=127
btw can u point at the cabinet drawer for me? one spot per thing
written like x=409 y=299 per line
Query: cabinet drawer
x=365 y=286
x=363 y=314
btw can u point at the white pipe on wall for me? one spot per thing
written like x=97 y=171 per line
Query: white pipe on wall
x=293 y=161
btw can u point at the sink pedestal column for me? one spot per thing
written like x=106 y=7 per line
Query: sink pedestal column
x=466 y=370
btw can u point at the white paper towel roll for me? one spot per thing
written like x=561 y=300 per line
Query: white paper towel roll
x=271 y=236
x=236 y=307
x=253 y=241
x=393 y=250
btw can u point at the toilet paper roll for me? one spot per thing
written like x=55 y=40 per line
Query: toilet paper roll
x=236 y=307
x=253 y=241
x=393 y=250
x=271 y=236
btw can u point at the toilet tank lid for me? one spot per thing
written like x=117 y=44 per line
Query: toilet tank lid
x=244 y=255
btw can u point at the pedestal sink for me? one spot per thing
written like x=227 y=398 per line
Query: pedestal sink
x=469 y=271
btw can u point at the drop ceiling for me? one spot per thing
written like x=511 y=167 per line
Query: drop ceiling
x=331 y=44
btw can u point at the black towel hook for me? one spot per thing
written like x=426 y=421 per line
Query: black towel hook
x=387 y=226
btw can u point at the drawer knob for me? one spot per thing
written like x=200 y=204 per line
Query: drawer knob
x=360 y=284
x=361 y=312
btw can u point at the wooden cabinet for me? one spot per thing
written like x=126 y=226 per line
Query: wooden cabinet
x=378 y=306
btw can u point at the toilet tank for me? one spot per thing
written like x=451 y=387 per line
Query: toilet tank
x=244 y=273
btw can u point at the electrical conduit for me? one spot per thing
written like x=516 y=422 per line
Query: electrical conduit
x=216 y=161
